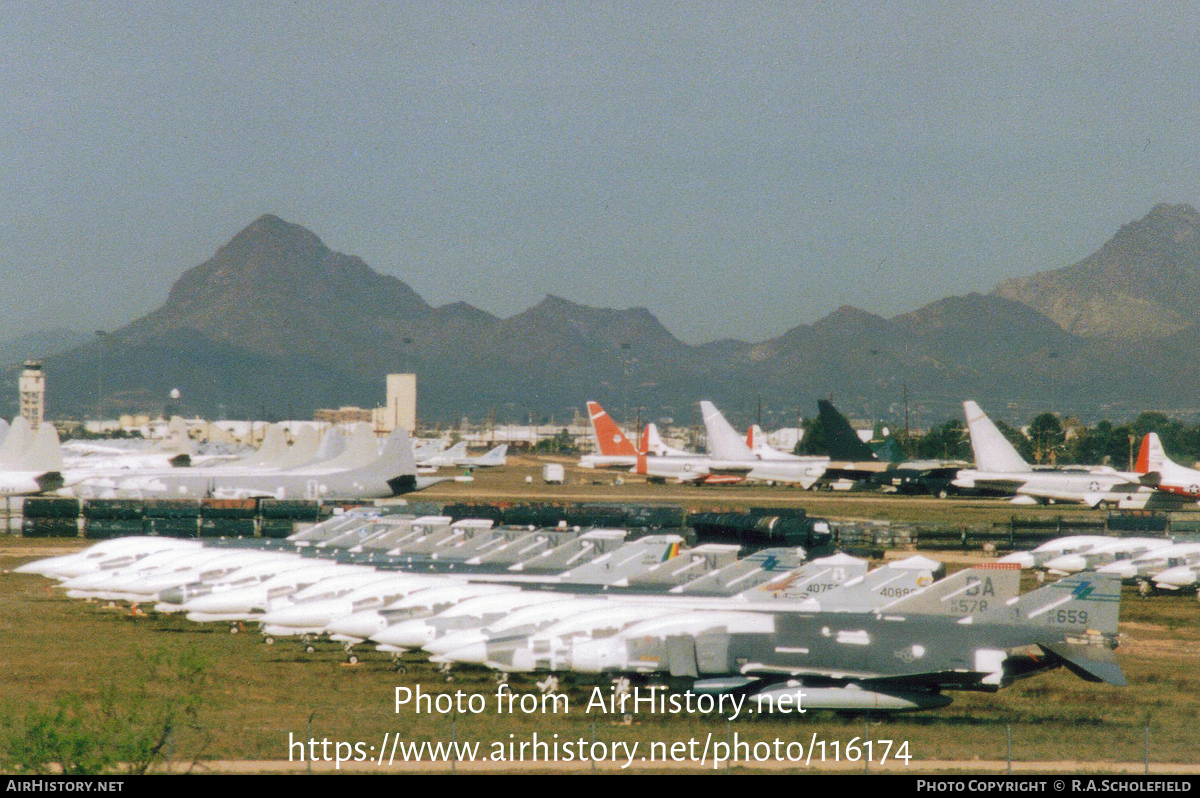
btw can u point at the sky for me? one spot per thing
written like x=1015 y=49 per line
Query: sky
x=738 y=168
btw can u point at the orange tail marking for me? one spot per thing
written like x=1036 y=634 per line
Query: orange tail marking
x=1143 y=461
x=644 y=443
x=608 y=435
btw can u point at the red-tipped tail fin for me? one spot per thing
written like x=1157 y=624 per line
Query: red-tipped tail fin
x=1143 y=461
x=609 y=438
x=644 y=442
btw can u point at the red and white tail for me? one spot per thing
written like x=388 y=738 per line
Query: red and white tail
x=609 y=438
x=1151 y=457
x=644 y=443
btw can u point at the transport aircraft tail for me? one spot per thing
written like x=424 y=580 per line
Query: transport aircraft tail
x=723 y=441
x=609 y=438
x=993 y=452
x=843 y=442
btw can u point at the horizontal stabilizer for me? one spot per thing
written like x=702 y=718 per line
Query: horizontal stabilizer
x=1091 y=663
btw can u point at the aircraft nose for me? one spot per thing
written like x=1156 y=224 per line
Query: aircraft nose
x=452 y=642
x=360 y=624
x=410 y=634
x=1021 y=558
x=299 y=615
x=474 y=653
x=1067 y=564
x=1182 y=576
x=1121 y=569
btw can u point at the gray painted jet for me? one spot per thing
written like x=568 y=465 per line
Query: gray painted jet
x=901 y=657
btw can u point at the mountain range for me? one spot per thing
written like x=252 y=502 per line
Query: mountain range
x=276 y=324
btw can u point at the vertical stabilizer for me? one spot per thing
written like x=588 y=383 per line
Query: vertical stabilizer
x=609 y=438
x=723 y=441
x=993 y=452
x=1152 y=456
x=19 y=436
x=843 y=442
x=43 y=453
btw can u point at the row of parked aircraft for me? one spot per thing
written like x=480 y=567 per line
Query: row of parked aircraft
x=594 y=603
x=343 y=464
x=851 y=464
x=1150 y=563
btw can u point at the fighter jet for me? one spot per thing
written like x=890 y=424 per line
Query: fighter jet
x=1168 y=568
x=900 y=658
x=1072 y=544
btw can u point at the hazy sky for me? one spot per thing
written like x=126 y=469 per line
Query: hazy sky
x=738 y=168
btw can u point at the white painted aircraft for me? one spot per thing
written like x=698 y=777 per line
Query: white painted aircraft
x=731 y=460
x=1167 y=476
x=32 y=460
x=1000 y=468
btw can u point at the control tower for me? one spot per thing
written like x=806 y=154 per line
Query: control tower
x=32 y=385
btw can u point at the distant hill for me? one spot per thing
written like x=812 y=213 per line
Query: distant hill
x=1143 y=283
x=276 y=323
x=38 y=344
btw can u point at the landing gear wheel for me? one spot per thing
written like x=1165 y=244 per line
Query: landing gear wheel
x=352 y=659
x=310 y=649
x=1144 y=588
x=943 y=494
x=270 y=641
x=233 y=629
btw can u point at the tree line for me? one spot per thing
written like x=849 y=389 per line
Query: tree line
x=1049 y=439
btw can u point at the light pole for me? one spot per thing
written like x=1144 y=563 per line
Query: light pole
x=102 y=339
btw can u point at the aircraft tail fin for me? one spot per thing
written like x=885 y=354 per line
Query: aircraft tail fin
x=967 y=592
x=457 y=450
x=1084 y=602
x=43 y=453
x=1151 y=456
x=643 y=446
x=723 y=441
x=18 y=439
x=654 y=442
x=494 y=457
x=843 y=442
x=609 y=438
x=395 y=465
x=993 y=452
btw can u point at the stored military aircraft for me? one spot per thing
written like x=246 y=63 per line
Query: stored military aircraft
x=999 y=468
x=902 y=657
